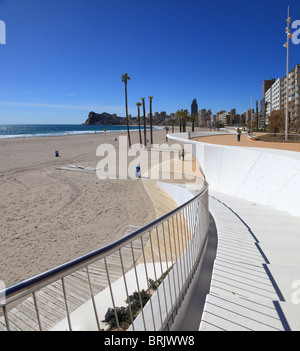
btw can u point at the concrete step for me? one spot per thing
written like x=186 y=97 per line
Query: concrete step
x=243 y=279
x=233 y=313
x=256 y=276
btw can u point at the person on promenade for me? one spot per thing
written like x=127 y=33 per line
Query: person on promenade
x=239 y=134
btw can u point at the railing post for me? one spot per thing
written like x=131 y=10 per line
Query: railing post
x=111 y=294
x=93 y=299
x=37 y=310
x=66 y=303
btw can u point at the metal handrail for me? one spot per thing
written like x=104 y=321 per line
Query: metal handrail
x=30 y=286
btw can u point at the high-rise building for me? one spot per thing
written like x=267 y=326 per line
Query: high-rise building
x=224 y=117
x=194 y=107
x=266 y=85
x=275 y=96
x=294 y=93
x=163 y=115
x=202 y=117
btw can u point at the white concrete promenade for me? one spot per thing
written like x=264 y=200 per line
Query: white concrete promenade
x=267 y=176
x=257 y=264
x=255 y=202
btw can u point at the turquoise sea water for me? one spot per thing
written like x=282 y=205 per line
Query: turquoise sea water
x=48 y=130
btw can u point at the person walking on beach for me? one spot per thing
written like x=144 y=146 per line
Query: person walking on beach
x=239 y=134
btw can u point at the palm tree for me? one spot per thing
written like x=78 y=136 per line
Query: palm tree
x=125 y=78
x=144 y=119
x=151 y=136
x=180 y=121
x=138 y=104
x=167 y=130
x=183 y=115
x=172 y=122
x=193 y=120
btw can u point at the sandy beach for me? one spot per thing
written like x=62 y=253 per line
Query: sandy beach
x=50 y=216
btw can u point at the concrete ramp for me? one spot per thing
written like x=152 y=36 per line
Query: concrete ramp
x=254 y=280
x=255 y=202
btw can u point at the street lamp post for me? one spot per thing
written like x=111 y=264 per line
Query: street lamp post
x=288 y=35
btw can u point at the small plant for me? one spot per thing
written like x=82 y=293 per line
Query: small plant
x=123 y=313
x=153 y=284
x=134 y=302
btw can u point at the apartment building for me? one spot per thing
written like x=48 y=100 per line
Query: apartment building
x=268 y=101
x=294 y=93
x=275 y=96
x=266 y=85
x=204 y=118
x=224 y=117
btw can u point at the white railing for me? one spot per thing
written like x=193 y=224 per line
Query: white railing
x=151 y=269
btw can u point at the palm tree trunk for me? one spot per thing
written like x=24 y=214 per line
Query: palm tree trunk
x=139 y=119
x=151 y=134
x=145 y=127
x=127 y=119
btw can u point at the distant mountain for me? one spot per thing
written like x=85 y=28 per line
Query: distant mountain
x=104 y=119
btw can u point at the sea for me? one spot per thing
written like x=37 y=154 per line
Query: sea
x=50 y=130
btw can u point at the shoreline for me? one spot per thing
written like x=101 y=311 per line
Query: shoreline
x=72 y=133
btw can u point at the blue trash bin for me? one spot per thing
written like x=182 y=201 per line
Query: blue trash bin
x=138 y=172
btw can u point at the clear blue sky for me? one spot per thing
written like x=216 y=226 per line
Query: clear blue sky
x=65 y=58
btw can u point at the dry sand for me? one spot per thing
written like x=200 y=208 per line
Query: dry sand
x=50 y=216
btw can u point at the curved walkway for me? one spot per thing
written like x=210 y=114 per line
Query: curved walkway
x=256 y=267
x=255 y=283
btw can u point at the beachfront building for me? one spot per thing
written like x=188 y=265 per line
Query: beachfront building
x=248 y=115
x=268 y=100
x=294 y=93
x=224 y=117
x=275 y=96
x=194 y=107
x=209 y=118
x=204 y=117
x=266 y=85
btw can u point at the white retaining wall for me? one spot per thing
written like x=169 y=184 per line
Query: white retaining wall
x=268 y=177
